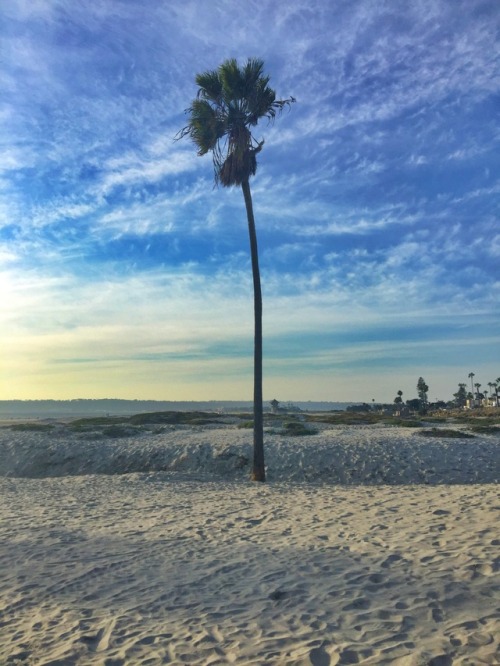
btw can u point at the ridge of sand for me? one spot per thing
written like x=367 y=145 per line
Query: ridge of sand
x=341 y=454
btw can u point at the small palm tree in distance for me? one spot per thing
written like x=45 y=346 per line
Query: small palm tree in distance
x=230 y=102
x=471 y=376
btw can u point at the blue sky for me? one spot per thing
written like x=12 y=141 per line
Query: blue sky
x=124 y=273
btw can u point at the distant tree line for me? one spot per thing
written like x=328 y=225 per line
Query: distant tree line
x=461 y=399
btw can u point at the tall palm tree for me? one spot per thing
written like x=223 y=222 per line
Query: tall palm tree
x=471 y=377
x=495 y=388
x=230 y=101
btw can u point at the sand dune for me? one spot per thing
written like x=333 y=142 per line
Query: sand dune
x=196 y=565
x=339 y=454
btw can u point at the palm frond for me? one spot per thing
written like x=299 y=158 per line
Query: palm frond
x=233 y=84
x=229 y=101
x=210 y=87
x=205 y=127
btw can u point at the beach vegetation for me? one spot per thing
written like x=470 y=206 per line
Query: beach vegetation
x=298 y=429
x=117 y=431
x=446 y=433
x=230 y=102
x=174 y=418
x=95 y=422
x=399 y=398
x=292 y=428
x=31 y=427
x=346 y=418
x=486 y=429
x=110 y=426
x=461 y=395
x=414 y=404
x=403 y=423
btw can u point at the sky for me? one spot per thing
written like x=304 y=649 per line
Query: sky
x=125 y=273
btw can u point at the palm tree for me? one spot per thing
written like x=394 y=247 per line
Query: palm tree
x=230 y=101
x=492 y=386
x=461 y=395
x=495 y=388
x=399 y=398
x=471 y=377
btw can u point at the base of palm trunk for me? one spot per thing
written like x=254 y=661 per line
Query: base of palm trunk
x=258 y=474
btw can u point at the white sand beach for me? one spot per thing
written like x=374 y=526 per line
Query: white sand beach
x=368 y=545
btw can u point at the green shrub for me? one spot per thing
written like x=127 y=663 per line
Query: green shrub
x=486 y=429
x=345 y=418
x=297 y=429
x=31 y=427
x=245 y=424
x=176 y=418
x=118 y=431
x=447 y=433
x=402 y=423
x=92 y=422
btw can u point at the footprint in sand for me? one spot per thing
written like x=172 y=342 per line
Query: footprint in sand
x=441 y=660
x=478 y=639
x=395 y=557
x=358 y=604
x=319 y=657
x=278 y=594
x=437 y=615
x=353 y=656
x=99 y=641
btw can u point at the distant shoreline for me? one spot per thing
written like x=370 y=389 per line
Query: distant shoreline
x=12 y=409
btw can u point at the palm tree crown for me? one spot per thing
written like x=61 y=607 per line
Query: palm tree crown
x=230 y=101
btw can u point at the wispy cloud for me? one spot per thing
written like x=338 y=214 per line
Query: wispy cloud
x=376 y=197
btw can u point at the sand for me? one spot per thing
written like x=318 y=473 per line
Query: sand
x=367 y=546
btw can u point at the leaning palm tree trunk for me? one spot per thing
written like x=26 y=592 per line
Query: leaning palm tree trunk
x=258 y=471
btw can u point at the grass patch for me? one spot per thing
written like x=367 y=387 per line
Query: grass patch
x=292 y=428
x=347 y=418
x=116 y=431
x=98 y=421
x=475 y=417
x=174 y=418
x=149 y=418
x=486 y=429
x=31 y=427
x=297 y=429
x=445 y=433
x=245 y=424
x=404 y=423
